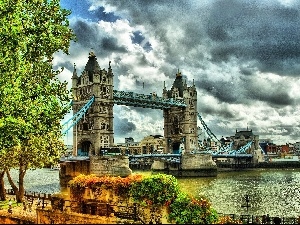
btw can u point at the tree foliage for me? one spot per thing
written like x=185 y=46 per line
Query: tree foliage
x=32 y=99
x=159 y=189
x=186 y=209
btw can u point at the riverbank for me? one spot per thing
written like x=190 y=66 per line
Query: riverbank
x=21 y=216
x=18 y=215
x=273 y=191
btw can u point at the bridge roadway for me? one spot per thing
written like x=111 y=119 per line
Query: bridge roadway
x=179 y=155
x=163 y=156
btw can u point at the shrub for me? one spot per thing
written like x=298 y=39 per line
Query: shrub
x=186 y=209
x=159 y=189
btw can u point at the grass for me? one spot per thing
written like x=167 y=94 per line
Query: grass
x=5 y=204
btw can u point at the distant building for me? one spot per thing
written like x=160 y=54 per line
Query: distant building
x=210 y=144
x=149 y=145
x=297 y=147
x=129 y=140
x=129 y=147
x=243 y=137
x=69 y=150
x=267 y=146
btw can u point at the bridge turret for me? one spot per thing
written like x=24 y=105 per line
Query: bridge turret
x=95 y=130
x=180 y=123
x=74 y=81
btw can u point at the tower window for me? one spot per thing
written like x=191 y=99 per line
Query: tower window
x=85 y=125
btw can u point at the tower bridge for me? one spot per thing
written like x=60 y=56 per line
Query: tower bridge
x=92 y=121
x=93 y=102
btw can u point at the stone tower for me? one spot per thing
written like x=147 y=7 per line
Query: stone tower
x=95 y=129
x=180 y=124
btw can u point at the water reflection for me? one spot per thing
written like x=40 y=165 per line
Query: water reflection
x=38 y=180
x=276 y=192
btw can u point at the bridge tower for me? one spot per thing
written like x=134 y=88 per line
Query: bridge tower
x=180 y=123
x=95 y=129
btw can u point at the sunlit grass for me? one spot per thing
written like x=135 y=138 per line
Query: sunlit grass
x=5 y=204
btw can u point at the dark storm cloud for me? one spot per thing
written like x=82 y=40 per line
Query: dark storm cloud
x=100 y=14
x=123 y=126
x=154 y=114
x=246 y=71
x=273 y=93
x=281 y=129
x=251 y=30
x=224 y=91
x=273 y=97
x=66 y=65
x=247 y=91
x=223 y=113
x=267 y=33
x=165 y=18
x=110 y=44
x=90 y=36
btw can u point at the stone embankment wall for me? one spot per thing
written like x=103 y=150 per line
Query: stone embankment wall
x=99 y=206
x=100 y=165
x=282 y=164
x=58 y=217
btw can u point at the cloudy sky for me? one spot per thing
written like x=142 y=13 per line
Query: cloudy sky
x=243 y=55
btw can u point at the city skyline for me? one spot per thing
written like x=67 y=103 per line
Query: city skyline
x=242 y=57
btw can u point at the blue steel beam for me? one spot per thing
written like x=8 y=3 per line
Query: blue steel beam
x=154 y=155
x=242 y=150
x=75 y=118
x=208 y=131
x=145 y=101
x=233 y=156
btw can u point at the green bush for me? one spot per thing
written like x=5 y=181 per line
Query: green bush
x=159 y=189
x=189 y=210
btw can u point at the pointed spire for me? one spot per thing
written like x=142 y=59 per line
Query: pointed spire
x=178 y=74
x=109 y=66
x=92 y=64
x=74 y=72
x=92 y=54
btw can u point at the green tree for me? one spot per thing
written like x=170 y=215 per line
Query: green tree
x=186 y=209
x=32 y=99
x=158 y=189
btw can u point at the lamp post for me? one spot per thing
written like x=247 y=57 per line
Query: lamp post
x=247 y=199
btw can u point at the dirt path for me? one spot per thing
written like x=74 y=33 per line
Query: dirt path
x=19 y=212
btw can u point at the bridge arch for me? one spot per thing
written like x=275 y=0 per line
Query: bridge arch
x=85 y=148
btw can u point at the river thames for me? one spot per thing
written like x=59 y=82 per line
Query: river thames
x=272 y=191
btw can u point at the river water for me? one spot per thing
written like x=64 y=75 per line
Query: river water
x=272 y=191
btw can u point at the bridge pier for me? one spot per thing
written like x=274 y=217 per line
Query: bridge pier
x=191 y=165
